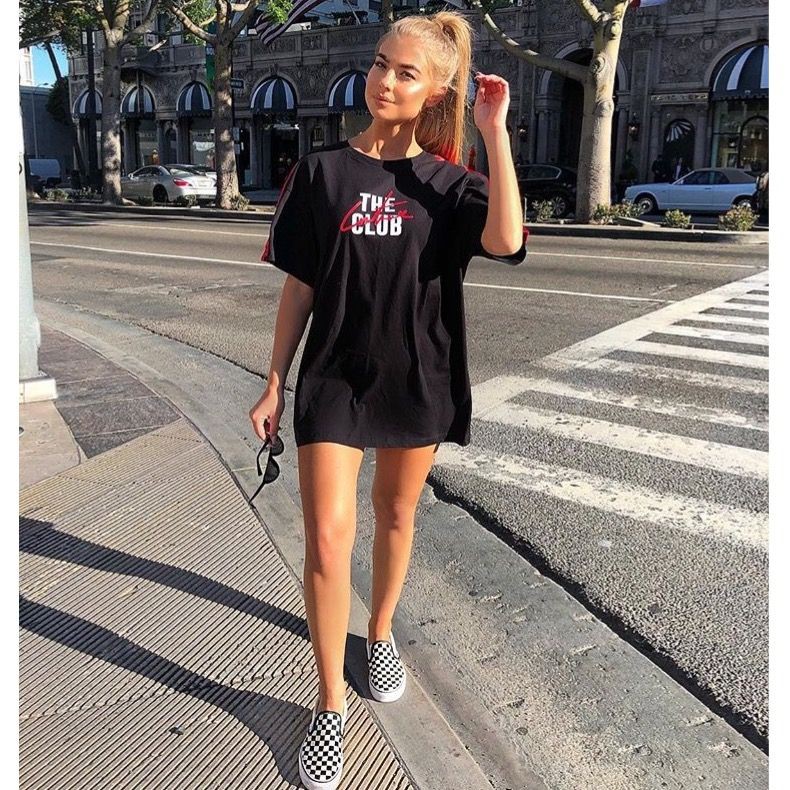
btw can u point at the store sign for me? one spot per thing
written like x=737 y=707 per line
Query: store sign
x=678 y=98
x=236 y=84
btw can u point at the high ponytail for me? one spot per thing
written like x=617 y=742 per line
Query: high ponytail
x=448 y=38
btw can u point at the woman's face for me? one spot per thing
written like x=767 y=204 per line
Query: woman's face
x=399 y=81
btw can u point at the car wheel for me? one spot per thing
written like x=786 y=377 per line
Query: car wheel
x=742 y=202
x=646 y=204
x=160 y=194
x=560 y=206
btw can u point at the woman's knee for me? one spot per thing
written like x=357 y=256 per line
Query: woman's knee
x=329 y=542
x=392 y=510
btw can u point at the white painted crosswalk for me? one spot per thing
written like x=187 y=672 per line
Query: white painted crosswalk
x=614 y=408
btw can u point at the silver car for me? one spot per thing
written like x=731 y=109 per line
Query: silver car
x=167 y=182
x=707 y=189
x=199 y=170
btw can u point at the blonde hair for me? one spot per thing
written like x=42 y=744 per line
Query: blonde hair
x=448 y=39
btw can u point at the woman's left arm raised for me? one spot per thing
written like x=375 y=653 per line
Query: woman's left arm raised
x=503 y=231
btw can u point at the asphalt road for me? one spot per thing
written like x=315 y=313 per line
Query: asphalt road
x=630 y=466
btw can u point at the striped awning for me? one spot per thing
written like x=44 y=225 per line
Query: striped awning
x=194 y=101
x=273 y=96
x=81 y=105
x=348 y=93
x=138 y=103
x=743 y=75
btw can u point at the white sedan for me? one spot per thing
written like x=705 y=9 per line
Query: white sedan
x=167 y=182
x=708 y=189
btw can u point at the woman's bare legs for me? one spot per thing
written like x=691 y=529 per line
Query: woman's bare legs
x=397 y=484
x=328 y=475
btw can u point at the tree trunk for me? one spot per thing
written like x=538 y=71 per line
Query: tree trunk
x=225 y=154
x=111 y=120
x=595 y=167
x=75 y=140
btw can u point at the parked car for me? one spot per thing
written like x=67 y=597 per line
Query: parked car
x=199 y=170
x=47 y=170
x=708 y=189
x=548 y=182
x=167 y=182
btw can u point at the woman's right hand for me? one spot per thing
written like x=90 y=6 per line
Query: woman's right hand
x=266 y=413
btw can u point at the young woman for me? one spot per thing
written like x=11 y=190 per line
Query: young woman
x=376 y=234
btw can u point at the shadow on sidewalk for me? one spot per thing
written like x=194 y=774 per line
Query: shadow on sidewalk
x=43 y=539
x=252 y=709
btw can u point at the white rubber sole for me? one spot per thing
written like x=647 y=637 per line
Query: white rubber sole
x=311 y=785
x=387 y=696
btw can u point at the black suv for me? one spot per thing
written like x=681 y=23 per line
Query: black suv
x=548 y=182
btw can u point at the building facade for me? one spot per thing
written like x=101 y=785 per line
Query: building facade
x=692 y=85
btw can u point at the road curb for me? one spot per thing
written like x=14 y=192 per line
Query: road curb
x=254 y=215
x=650 y=234
x=264 y=211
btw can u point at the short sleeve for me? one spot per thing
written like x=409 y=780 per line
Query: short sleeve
x=291 y=245
x=470 y=220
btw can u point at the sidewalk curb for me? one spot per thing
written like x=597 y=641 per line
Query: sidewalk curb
x=254 y=215
x=425 y=759
x=535 y=229
x=649 y=234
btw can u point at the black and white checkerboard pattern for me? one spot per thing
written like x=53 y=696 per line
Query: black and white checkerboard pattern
x=321 y=754
x=386 y=672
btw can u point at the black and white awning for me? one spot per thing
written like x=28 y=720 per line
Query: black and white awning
x=743 y=75
x=273 y=96
x=348 y=93
x=194 y=101
x=81 y=105
x=138 y=103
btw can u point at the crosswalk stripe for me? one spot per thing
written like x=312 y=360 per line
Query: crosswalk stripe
x=725 y=335
x=751 y=300
x=635 y=402
x=703 y=354
x=759 y=309
x=681 y=449
x=624 y=499
x=741 y=320
x=664 y=373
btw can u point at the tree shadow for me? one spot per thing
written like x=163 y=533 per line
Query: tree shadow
x=252 y=709
x=45 y=540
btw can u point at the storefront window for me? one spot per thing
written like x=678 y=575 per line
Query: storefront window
x=734 y=122
x=146 y=143
x=201 y=142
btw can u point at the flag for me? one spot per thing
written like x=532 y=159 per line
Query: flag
x=646 y=3
x=268 y=30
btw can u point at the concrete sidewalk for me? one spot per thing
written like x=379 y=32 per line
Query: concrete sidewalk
x=164 y=642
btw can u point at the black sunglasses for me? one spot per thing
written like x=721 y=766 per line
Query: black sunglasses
x=272 y=471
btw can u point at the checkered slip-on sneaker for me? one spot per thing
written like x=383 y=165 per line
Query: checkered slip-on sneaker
x=386 y=676
x=321 y=753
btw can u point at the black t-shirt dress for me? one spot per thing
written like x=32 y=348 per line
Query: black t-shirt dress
x=385 y=244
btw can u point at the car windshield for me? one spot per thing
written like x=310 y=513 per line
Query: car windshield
x=177 y=171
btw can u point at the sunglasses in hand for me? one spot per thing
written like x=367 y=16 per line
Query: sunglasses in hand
x=272 y=471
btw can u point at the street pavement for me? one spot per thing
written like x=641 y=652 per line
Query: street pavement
x=619 y=439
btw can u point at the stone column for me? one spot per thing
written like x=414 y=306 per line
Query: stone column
x=622 y=140
x=161 y=142
x=266 y=156
x=304 y=136
x=255 y=167
x=701 y=143
x=542 y=137
x=129 y=148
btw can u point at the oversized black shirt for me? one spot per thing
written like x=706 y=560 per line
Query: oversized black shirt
x=385 y=244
